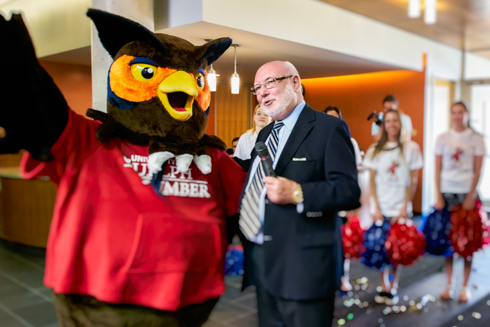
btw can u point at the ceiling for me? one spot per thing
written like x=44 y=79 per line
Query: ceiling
x=464 y=24
x=254 y=51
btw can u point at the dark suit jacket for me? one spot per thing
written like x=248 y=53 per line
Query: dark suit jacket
x=303 y=252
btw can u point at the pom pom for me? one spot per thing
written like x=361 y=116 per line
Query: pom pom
x=436 y=230
x=234 y=261
x=469 y=231
x=352 y=238
x=405 y=243
x=375 y=237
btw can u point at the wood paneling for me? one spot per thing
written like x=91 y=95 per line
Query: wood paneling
x=26 y=209
x=359 y=95
x=232 y=112
x=10 y=160
x=463 y=24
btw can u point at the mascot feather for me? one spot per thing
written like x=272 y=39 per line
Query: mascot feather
x=118 y=252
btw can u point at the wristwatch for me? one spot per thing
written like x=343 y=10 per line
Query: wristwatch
x=298 y=194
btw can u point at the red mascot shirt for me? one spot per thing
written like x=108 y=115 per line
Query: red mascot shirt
x=114 y=238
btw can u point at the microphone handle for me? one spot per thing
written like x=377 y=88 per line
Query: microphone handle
x=267 y=164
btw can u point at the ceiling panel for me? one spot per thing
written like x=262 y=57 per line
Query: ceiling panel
x=464 y=24
x=254 y=51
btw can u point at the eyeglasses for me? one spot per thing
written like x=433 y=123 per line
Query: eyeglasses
x=272 y=83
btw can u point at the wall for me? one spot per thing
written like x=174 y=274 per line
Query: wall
x=231 y=112
x=359 y=95
x=75 y=82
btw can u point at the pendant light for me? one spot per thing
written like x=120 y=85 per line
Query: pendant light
x=235 y=79
x=414 y=8
x=212 y=79
x=430 y=12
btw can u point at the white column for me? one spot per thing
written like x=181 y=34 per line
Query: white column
x=140 y=11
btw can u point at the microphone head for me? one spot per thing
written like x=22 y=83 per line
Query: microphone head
x=261 y=149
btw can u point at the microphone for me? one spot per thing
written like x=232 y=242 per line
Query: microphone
x=265 y=160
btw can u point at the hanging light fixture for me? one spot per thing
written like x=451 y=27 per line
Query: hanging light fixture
x=212 y=79
x=430 y=12
x=235 y=79
x=414 y=8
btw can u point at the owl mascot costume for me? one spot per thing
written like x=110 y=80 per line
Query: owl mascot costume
x=138 y=230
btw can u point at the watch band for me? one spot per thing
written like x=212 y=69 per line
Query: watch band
x=298 y=194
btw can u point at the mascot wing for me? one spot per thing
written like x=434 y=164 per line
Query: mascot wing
x=33 y=112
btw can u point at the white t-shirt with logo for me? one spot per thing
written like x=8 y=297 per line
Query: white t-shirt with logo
x=458 y=151
x=393 y=175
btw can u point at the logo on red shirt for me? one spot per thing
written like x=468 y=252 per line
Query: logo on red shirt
x=174 y=183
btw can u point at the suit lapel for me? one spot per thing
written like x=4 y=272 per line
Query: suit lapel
x=301 y=129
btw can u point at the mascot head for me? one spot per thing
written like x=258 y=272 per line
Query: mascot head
x=157 y=86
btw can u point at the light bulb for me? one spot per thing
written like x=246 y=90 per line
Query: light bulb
x=235 y=84
x=430 y=12
x=212 y=79
x=414 y=8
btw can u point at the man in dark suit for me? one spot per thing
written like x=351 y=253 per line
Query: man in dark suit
x=289 y=224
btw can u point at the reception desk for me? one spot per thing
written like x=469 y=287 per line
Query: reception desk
x=26 y=208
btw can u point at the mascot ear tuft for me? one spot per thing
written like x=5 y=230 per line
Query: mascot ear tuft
x=116 y=31
x=214 y=49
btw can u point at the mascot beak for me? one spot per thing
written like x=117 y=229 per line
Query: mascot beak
x=177 y=93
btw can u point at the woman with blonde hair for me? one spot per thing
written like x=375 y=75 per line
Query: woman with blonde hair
x=247 y=141
x=394 y=166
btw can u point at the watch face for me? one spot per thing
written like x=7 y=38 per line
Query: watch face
x=298 y=196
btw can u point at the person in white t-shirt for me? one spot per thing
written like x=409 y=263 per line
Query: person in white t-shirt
x=394 y=169
x=247 y=141
x=459 y=157
x=391 y=102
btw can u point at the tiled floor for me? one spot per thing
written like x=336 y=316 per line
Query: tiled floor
x=25 y=302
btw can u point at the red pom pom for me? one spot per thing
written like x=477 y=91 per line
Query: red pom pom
x=469 y=230
x=352 y=238
x=405 y=243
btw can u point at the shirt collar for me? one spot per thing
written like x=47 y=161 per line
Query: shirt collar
x=291 y=120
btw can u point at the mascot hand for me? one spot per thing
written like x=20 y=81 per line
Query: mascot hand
x=33 y=112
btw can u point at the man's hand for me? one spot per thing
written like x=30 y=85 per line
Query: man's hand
x=280 y=190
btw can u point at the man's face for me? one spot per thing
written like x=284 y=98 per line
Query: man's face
x=387 y=105
x=233 y=145
x=276 y=102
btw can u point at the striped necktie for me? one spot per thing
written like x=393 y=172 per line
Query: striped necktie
x=249 y=211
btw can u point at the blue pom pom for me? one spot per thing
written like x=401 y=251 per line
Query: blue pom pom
x=375 y=237
x=234 y=261
x=436 y=230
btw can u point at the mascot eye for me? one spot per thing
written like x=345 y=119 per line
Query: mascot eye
x=143 y=72
x=200 y=80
